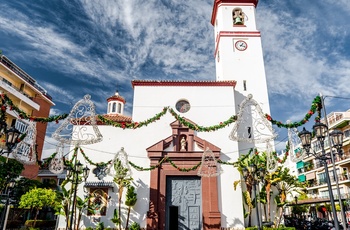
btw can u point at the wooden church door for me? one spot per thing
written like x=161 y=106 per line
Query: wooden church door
x=183 y=203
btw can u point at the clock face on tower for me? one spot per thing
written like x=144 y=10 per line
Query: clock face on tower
x=241 y=45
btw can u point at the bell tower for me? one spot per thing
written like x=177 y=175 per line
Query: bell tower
x=238 y=50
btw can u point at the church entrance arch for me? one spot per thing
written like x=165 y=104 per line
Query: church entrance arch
x=198 y=207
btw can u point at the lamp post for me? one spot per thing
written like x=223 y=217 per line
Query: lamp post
x=254 y=175
x=320 y=130
x=11 y=136
x=76 y=180
x=5 y=211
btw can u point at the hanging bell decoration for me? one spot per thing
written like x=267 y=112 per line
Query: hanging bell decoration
x=209 y=166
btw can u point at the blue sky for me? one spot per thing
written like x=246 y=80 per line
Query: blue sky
x=78 y=47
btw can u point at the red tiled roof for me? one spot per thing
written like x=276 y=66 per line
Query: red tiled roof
x=182 y=83
x=116 y=98
x=115 y=118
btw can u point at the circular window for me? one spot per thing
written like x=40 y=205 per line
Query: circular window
x=183 y=106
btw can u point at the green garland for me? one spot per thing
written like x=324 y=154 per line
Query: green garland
x=133 y=125
x=201 y=128
x=69 y=163
x=45 y=162
x=315 y=107
x=165 y=159
x=139 y=168
x=6 y=101
x=91 y=162
x=184 y=169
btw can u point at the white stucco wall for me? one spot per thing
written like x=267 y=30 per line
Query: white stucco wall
x=209 y=106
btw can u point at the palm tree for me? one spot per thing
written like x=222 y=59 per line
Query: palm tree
x=82 y=205
x=286 y=185
x=269 y=180
x=242 y=164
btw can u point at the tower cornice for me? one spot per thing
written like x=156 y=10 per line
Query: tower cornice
x=235 y=2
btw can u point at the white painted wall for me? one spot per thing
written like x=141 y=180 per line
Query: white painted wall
x=209 y=106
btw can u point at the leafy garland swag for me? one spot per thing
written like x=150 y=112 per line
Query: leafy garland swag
x=315 y=107
x=70 y=163
x=6 y=101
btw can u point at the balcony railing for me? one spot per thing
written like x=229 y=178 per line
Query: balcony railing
x=23 y=75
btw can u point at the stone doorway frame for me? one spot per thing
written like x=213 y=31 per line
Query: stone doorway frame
x=171 y=147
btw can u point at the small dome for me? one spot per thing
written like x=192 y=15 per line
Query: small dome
x=115 y=104
x=116 y=97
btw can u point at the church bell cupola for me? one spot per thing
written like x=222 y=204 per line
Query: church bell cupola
x=116 y=104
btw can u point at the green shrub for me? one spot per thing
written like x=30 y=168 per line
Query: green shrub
x=40 y=223
x=100 y=226
x=280 y=228
x=134 y=226
x=268 y=228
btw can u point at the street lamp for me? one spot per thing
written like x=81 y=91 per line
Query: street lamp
x=320 y=130
x=5 y=211
x=11 y=137
x=254 y=175
x=76 y=180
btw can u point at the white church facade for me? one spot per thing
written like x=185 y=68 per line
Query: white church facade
x=165 y=154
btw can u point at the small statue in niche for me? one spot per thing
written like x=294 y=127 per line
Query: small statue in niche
x=238 y=16
x=183 y=144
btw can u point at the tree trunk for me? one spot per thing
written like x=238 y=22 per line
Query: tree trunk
x=36 y=216
x=127 y=219
x=119 y=208
x=268 y=195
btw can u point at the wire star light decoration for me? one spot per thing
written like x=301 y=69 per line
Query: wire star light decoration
x=25 y=151
x=296 y=153
x=76 y=129
x=251 y=125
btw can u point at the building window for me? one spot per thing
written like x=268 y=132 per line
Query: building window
x=119 y=108
x=109 y=107
x=347 y=133
x=98 y=202
x=114 y=107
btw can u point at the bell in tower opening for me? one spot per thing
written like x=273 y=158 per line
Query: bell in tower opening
x=238 y=16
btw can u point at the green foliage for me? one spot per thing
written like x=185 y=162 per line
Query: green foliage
x=268 y=228
x=62 y=197
x=122 y=180
x=115 y=219
x=9 y=170
x=38 y=198
x=280 y=228
x=300 y=209
x=134 y=226
x=40 y=223
x=23 y=185
x=131 y=196
x=100 y=226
